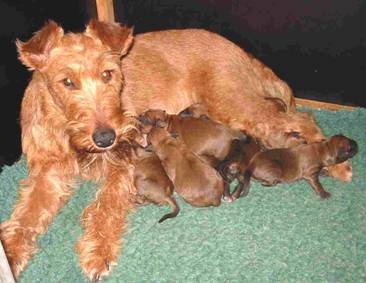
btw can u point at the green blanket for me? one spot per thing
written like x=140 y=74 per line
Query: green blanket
x=278 y=234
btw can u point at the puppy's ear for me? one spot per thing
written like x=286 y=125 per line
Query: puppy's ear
x=34 y=53
x=117 y=37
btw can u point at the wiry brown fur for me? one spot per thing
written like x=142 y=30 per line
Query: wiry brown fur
x=75 y=89
x=173 y=69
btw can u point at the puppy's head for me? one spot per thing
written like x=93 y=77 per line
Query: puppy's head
x=154 y=117
x=341 y=148
x=157 y=135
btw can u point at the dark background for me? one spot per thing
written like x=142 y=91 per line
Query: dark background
x=318 y=47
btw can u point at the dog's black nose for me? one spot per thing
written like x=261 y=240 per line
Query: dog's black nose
x=104 y=137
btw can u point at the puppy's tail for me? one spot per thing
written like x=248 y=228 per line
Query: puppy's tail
x=175 y=209
x=244 y=185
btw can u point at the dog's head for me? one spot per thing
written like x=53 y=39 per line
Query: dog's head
x=341 y=148
x=80 y=81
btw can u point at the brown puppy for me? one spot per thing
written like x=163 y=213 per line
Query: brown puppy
x=205 y=137
x=194 y=180
x=152 y=182
x=302 y=162
x=235 y=164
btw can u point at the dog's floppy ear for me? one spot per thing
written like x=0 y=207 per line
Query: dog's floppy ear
x=278 y=102
x=34 y=53
x=117 y=37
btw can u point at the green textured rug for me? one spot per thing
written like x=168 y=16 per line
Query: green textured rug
x=279 y=234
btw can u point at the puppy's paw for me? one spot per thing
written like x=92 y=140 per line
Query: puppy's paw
x=228 y=198
x=324 y=195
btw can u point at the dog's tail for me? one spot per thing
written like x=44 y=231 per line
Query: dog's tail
x=175 y=209
x=242 y=190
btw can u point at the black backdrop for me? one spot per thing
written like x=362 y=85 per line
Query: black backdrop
x=318 y=47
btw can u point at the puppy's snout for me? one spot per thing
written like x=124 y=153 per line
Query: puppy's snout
x=104 y=137
x=353 y=147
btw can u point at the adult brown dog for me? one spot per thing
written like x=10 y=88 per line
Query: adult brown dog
x=194 y=180
x=301 y=162
x=173 y=69
x=73 y=127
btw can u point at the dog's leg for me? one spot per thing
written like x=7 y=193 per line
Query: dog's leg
x=45 y=191
x=104 y=222
x=244 y=185
x=317 y=187
x=224 y=171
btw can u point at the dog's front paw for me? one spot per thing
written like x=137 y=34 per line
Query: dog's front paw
x=18 y=246
x=97 y=256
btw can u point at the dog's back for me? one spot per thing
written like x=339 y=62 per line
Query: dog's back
x=209 y=139
x=192 y=62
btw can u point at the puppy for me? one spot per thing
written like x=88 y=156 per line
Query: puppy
x=194 y=180
x=235 y=164
x=152 y=182
x=302 y=162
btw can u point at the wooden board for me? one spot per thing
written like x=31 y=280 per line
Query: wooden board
x=105 y=10
x=321 y=105
x=5 y=273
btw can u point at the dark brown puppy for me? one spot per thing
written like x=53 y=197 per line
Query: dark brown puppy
x=152 y=183
x=301 y=162
x=235 y=164
x=194 y=180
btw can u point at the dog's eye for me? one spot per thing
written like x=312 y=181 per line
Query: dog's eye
x=68 y=83
x=294 y=134
x=107 y=76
